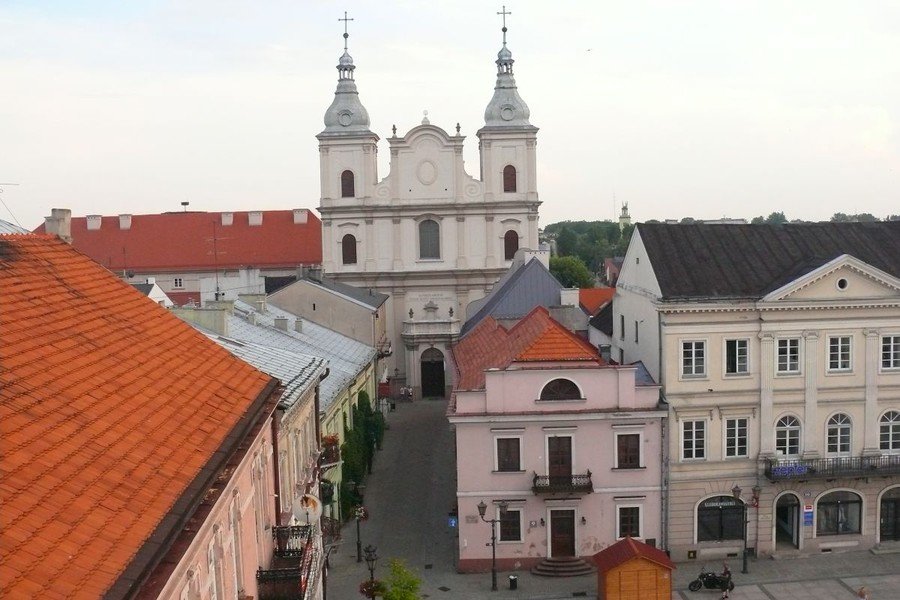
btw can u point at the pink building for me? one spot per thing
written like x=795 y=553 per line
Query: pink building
x=563 y=449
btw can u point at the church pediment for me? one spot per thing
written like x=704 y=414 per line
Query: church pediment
x=843 y=279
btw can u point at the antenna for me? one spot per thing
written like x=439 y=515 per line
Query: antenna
x=184 y=205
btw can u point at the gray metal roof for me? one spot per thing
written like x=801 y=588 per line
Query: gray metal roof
x=143 y=288
x=7 y=227
x=363 y=296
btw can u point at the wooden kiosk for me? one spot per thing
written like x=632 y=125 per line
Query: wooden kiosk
x=632 y=570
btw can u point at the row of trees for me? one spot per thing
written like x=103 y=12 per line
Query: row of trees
x=358 y=450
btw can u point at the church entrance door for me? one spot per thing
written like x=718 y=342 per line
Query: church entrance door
x=432 y=373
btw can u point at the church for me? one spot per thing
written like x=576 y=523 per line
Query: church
x=430 y=235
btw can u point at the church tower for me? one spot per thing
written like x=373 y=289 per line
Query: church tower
x=347 y=152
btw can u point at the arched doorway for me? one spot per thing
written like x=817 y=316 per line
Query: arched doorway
x=890 y=515
x=787 y=521
x=432 y=362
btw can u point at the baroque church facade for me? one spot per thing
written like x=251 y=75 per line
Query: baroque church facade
x=429 y=235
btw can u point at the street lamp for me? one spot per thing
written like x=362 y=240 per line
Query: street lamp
x=736 y=492
x=371 y=557
x=482 y=509
x=359 y=488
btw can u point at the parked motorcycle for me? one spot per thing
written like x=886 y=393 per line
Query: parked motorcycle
x=712 y=580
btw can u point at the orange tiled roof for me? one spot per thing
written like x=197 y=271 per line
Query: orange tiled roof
x=592 y=299
x=626 y=549
x=109 y=407
x=537 y=337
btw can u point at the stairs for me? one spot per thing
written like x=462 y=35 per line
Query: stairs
x=568 y=566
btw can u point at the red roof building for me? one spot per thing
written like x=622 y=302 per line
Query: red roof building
x=593 y=299
x=633 y=570
x=119 y=422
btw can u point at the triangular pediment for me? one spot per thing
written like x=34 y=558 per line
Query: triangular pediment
x=843 y=279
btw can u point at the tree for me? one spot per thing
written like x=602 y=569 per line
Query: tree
x=571 y=271
x=566 y=241
x=760 y=220
x=402 y=584
x=776 y=218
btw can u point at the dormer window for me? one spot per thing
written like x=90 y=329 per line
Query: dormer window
x=561 y=389
x=348 y=184
x=509 y=179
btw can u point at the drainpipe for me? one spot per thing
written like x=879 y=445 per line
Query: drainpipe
x=318 y=423
x=276 y=477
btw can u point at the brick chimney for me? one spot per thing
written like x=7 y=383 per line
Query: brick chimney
x=59 y=223
x=93 y=222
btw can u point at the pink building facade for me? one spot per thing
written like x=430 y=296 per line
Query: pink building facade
x=570 y=445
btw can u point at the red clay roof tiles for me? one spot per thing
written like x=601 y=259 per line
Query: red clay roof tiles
x=109 y=407
x=591 y=299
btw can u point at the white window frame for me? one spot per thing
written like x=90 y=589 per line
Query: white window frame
x=894 y=438
x=518 y=509
x=894 y=353
x=178 y=283
x=681 y=439
x=849 y=351
x=828 y=427
x=497 y=453
x=681 y=364
x=640 y=508
x=640 y=434
x=746 y=371
x=799 y=437
x=788 y=372
x=725 y=438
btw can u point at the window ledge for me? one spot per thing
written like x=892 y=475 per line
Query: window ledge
x=738 y=375
x=629 y=468
x=508 y=472
x=573 y=400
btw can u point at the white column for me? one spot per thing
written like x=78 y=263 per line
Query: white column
x=766 y=381
x=370 y=245
x=812 y=434
x=461 y=261
x=398 y=249
x=871 y=444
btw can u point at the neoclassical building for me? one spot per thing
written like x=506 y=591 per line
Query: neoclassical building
x=429 y=235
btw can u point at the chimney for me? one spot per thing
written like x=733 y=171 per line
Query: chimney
x=260 y=305
x=124 y=221
x=298 y=325
x=227 y=219
x=59 y=223
x=281 y=323
x=569 y=297
x=300 y=216
x=314 y=272
x=151 y=280
x=93 y=222
x=255 y=218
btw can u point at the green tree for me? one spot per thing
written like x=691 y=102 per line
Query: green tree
x=402 y=583
x=566 y=241
x=776 y=218
x=571 y=271
x=760 y=220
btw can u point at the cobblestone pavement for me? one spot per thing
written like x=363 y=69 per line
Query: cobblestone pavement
x=412 y=489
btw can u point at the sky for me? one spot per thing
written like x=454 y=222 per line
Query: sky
x=681 y=108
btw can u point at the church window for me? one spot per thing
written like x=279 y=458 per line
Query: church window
x=348 y=185
x=429 y=239
x=348 y=249
x=509 y=178
x=510 y=244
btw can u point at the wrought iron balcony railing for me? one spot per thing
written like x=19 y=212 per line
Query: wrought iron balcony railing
x=562 y=484
x=832 y=468
x=291 y=540
x=296 y=564
x=331 y=455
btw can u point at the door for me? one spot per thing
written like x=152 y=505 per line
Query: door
x=787 y=521
x=432 y=373
x=890 y=516
x=562 y=533
x=559 y=459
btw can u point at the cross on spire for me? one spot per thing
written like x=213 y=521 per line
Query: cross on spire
x=346 y=35
x=504 y=12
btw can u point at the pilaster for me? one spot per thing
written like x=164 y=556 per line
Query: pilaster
x=461 y=249
x=490 y=259
x=370 y=244
x=811 y=434
x=398 y=248
x=766 y=393
x=871 y=444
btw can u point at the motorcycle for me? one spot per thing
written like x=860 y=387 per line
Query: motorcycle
x=712 y=580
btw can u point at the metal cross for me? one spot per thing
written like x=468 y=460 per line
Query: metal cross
x=346 y=35
x=504 y=13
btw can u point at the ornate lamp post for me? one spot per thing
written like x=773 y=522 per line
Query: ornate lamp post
x=371 y=558
x=359 y=513
x=736 y=492
x=482 y=509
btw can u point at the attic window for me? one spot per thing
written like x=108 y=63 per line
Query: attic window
x=842 y=284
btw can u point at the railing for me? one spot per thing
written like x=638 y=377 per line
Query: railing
x=562 y=484
x=832 y=468
x=291 y=540
x=331 y=455
x=331 y=531
x=295 y=566
x=280 y=584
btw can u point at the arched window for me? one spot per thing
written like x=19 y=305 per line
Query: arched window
x=890 y=431
x=561 y=389
x=838 y=442
x=510 y=244
x=348 y=185
x=348 y=249
x=838 y=513
x=429 y=239
x=787 y=436
x=509 y=178
x=720 y=518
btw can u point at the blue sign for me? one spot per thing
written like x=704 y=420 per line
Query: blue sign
x=451 y=522
x=790 y=471
x=808 y=518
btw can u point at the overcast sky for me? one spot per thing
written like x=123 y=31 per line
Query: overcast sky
x=704 y=108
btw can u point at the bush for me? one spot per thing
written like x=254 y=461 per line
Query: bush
x=402 y=584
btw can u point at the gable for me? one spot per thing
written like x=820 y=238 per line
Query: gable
x=844 y=279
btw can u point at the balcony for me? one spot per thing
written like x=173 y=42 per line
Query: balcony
x=562 y=484
x=331 y=455
x=295 y=566
x=832 y=468
x=291 y=540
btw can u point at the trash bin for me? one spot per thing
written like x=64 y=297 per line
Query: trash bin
x=513 y=582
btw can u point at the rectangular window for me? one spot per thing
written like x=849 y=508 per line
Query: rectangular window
x=693 y=440
x=621 y=327
x=628 y=451
x=629 y=521
x=511 y=526
x=890 y=352
x=636 y=324
x=737 y=357
x=736 y=437
x=508 y=454
x=179 y=283
x=839 y=353
x=693 y=359
x=788 y=355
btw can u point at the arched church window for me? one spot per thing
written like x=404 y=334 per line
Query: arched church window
x=348 y=185
x=348 y=249
x=510 y=244
x=429 y=239
x=509 y=178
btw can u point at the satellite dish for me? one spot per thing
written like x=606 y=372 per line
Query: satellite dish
x=308 y=510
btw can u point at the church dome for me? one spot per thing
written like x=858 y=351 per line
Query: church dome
x=346 y=115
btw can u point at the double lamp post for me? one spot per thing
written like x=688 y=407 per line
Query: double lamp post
x=482 y=510
x=736 y=492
